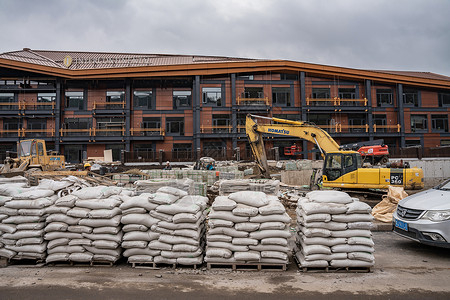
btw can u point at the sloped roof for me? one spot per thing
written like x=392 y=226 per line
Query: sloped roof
x=103 y=60
x=426 y=75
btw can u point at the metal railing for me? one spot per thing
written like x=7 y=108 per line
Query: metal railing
x=112 y=132
x=147 y=132
x=109 y=105
x=22 y=132
x=22 y=105
x=253 y=101
x=335 y=102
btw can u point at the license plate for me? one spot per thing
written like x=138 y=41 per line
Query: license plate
x=402 y=225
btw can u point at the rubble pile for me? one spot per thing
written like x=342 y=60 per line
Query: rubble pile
x=85 y=226
x=247 y=227
x=164 y=227
x=333 y=231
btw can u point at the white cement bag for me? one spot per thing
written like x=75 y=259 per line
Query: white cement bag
x=141 y=201
x=315 y=249
x=327 y=257
x=161 y=216
x=140 y=236
x=173 y=240
x=163 y=260
x=56 y=209
x=272 y=226
x=8 y=211
x=31 y=212
x=114 y=221
x=228 y=231
x=229 y=246
x=38 y=203
x=245 y=211
x=310 y=264
x=109 y=237
x=22 y=219
x=218 y=238
x=274 y=207
x=244 y=241
x=284 y=218
x=106 y=229
x=188 y=261
x=66 y=201
x=213 y=223
x=274 y=241
x=48 y=184
x=105 y=244
x=248 y=256
x=134 y=244
x=78 y=212
x=315 y=232
x=30 y=226
x=7 y=228
x=274 y=254
x=172 y=191
x=56 y=226
x=353 y=218
x=178 y=207
x=250 y=198
x=223 y=203
x=352 y=248
x=227 y=215
x=351 y=233
x=360 y=225
x=361 y=256
x=270 y=234
x=141 y=251
x=279 y=248
x=140 y=219
x=57 y=257
x=358 y=207
x=79 y=229
x=97 y=192
x=171 y=254
x=218 y=252
x=185 y=248
x=63 y=219
x=58 y=242
x=58 y=235
x=108 y=203
x=310 y=208
x=186 y=218
x=329 y=197
x=134 y=210
x=163 y=198
x=342 y=263
x=80 y=242
x=81 y=257
x=249 y=227
x=32 y=194
x=134 y=227
x=30 y=241
x=360 y=241
x=104 y=213
x=140 y=259
x=158 y=245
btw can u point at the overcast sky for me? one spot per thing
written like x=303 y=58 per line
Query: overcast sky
x=407 y=35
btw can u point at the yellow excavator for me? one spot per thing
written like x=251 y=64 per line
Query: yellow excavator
x=31 y=154
x=342 y=168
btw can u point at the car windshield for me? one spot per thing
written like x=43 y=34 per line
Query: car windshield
x=25 y=148
x=444 y=186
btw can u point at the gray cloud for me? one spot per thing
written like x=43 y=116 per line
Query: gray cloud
x=408 y=35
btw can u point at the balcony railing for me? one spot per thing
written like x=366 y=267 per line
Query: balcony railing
x=335 y=102
x=112 y=132
x=10 y=105
x=147 y=132
x=386 y=128
x=253 y=101
x=216 y=129
x=22 y=105
x=109 y=105
x=19 y=133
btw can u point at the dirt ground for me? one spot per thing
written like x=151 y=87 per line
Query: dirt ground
x=404 y=269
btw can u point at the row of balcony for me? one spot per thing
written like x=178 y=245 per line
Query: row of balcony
x=120 y=131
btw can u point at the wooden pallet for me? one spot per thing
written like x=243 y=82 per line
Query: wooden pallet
x=155 y=266
x=247 y=266
x=25 y=263
x=330 y=269
x=70 y=263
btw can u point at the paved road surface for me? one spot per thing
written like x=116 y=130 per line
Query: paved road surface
x=404 y=269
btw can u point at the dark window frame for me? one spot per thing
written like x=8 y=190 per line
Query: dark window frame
x=281 y=96
x=172 y=123
x=444 y=97
x=80 y=101
x=138 y=99
x=439 y=118
x=212 y=96
x=410 y=98
x=385 y=97
x=182 y=99
x=424 y=123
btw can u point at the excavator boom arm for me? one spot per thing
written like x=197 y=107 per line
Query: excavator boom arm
x=301 y=130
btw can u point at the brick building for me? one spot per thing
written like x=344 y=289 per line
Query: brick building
x=82 y=103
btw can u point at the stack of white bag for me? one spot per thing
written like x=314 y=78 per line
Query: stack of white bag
x=247 y=227
x=164 y=227
x=333 y=230
x=85 y=226
x=22 y=215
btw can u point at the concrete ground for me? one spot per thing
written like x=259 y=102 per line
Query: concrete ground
x=404 y=269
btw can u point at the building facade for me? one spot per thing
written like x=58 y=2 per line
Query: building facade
x=82 y=103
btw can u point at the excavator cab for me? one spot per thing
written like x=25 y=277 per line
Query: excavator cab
x=338 y=164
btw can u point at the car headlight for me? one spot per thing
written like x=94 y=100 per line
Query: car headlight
x=437 y=215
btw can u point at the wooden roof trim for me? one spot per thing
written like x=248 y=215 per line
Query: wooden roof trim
x=225 y=68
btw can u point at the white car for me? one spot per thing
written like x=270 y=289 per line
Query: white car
x=425 y=217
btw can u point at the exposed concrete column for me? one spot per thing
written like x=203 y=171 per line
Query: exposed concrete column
x=368 y=92
x=401 y=117
x=196 y=116
x=303 y=110
x=128 y=100
x=233 y=110
x=59 y=98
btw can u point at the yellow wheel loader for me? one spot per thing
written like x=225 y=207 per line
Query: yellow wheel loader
x=31 y=154
x=342 y=169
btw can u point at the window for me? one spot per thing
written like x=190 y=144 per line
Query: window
x=290 y=117
x=212 y=96
x=181 y=99
x=439 y=123
x=411 y=97
x=221 y=123
x=75 y=100
x=384 y=97
x=412 y=143
x=113 y=126
x=6 y=98
x=281 y=96
x=419 y=123
x=46 y=100
x=182 y=151
x=115 y=97
x=77 y=126
x=175 y=126
x=73 y=153
x=320 y=93
x=445 y=142
x=253 y=92
x=380 y=120
x=182 y=147
x=151 y=123
x=319 y=119
x=358 y=122
x=116 y=150
x=142 y=99
x=444 y=99
x=37 y=126
x=347 y=93
x=12 y=127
